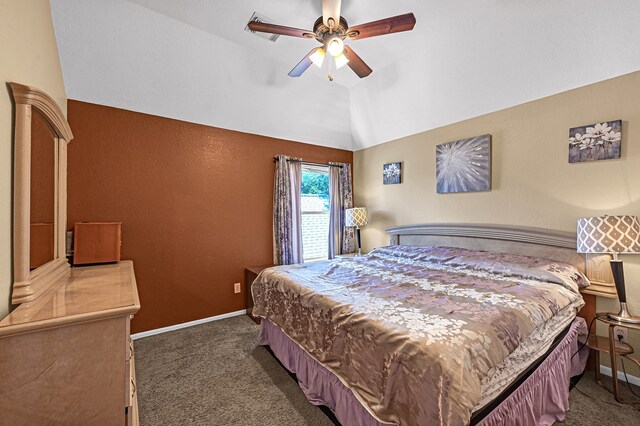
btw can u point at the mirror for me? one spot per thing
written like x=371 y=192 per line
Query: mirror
x=42 y=204
x=41 y=135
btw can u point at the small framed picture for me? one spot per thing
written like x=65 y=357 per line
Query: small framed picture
x=600 y=141
x=392 y=173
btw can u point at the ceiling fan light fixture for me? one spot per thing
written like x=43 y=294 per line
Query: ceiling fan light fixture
x=318 y=57
x=335 y=46
x=330 y=30
x=341 y=60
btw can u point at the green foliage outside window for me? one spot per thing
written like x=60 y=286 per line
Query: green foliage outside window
x=315 y=183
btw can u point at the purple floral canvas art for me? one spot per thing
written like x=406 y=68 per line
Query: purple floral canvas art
x=600 y=141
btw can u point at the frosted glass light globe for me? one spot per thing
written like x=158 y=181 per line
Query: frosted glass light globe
x=335 y=46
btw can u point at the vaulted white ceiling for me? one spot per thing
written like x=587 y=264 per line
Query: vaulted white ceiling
x=192 y=60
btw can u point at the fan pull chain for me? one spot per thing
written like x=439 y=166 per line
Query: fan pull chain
x=329 y=62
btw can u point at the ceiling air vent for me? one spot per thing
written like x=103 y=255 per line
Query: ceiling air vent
x=257 y=17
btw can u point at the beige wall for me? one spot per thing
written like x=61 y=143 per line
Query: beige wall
x=28 y=55
x=533 y=183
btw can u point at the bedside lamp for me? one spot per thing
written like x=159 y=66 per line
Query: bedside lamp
x=612 y=234
x=357 y=217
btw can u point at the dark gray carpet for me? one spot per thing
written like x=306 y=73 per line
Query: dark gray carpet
x=215 y=374
x=593 y=405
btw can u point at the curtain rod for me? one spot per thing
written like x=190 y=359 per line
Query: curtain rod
x=311 y=163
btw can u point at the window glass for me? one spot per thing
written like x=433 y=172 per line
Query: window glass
x=315 y=212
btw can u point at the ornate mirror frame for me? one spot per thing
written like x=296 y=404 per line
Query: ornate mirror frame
x=28 y=285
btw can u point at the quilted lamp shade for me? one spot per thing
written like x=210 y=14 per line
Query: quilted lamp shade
x=356 y=216
x=609 y=234
x=612 y=234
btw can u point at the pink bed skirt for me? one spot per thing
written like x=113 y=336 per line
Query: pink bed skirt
x=542 y=399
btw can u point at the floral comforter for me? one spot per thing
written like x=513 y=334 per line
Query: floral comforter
x=413 y=331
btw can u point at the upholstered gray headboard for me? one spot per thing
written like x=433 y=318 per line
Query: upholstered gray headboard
x=539 y=242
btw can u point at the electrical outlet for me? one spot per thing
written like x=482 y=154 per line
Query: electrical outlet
x=620 y=334
x=236 y=288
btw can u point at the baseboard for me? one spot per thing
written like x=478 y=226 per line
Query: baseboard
x=186 y=324
x=632 y=379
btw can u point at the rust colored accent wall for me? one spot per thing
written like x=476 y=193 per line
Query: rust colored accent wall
x=43 y=160
x=195 y=202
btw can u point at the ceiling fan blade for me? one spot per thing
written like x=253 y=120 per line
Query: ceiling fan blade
x=331 y=9
x=395 y=24
x=302 y=65
x=356 y=63
x=279 y=29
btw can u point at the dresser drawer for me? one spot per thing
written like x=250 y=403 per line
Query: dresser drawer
x=131 y=377
x=132 y=394
x=73 y=374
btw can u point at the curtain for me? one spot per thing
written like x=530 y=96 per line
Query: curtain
x=341 y=238
x=287 y=214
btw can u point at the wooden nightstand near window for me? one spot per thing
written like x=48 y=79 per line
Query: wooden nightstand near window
x=250 y=274
x=614 y=348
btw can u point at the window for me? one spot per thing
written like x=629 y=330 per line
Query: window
x=315 y=212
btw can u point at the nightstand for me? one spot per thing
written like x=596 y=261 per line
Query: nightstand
x=250 y=274
x=612 y=347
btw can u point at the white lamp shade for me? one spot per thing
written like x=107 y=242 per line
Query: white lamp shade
x=341 y=60
x=609 y=234
x=356 y=216
x=318 y=57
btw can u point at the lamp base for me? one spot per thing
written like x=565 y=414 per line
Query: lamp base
x=624 y=315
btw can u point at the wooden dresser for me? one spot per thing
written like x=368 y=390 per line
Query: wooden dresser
x=66 y=358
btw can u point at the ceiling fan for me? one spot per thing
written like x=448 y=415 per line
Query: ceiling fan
x=331 y=29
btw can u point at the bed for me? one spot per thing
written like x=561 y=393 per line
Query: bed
x=450 y=324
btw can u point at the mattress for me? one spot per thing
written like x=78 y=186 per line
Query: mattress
x=531 y=348
x=422 y=335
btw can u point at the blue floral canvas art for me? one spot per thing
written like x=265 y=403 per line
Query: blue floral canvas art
x=392 y=173
x=464 y=165
x=600 y=141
